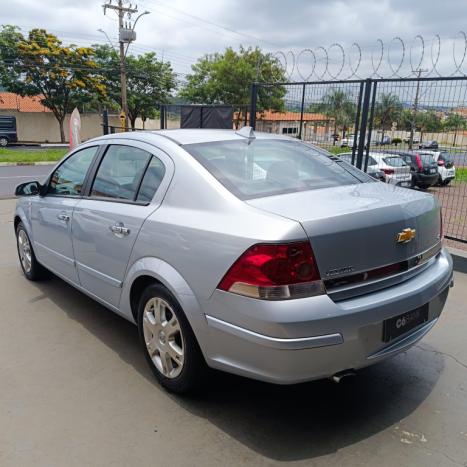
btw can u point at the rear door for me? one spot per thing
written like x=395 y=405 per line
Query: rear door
x=430 y=167
x=52 y=214
x=127 y=187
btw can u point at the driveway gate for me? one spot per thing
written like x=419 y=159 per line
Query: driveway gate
x=380 y=116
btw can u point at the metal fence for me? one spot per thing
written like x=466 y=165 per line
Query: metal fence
x=410 y=131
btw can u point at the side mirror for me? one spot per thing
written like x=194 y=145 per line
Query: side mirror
x=28 y=189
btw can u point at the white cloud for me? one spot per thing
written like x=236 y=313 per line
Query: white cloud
x=279 y=24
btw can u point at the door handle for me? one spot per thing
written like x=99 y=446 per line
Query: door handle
x=63 y=217
x=119 y=230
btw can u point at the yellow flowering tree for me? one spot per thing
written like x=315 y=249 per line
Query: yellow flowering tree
x=65 y=76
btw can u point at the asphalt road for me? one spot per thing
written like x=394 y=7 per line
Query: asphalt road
x=11 y=176
x=75 y=390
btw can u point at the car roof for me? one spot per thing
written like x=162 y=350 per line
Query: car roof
x=204 y=135
x=189 y=136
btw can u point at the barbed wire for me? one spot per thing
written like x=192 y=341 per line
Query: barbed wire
x=395 y=58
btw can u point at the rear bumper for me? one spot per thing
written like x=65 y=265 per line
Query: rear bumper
x=426 y=180
x=299 y=340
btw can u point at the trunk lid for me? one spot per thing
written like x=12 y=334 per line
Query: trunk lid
x=400 y=168
x=355 y=228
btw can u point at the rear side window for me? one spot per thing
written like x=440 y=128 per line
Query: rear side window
x=7 y=123
x=120 y=172
x=446 y=157
x=253 y=169
x=151 y=180
x=68 y=178
x=394 y=161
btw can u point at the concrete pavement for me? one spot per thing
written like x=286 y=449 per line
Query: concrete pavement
x=75 y=390
x=12 y=176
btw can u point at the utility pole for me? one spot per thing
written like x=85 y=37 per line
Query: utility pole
x=126 y=35
x=415 y=107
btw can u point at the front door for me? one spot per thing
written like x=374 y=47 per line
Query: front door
x=52 y=214
x=106 y=223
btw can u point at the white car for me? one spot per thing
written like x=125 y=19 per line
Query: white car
x=372 y=169
x=394 y=167
x=348 y=141
x=446 y=168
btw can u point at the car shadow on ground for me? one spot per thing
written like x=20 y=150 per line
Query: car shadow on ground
x=282 y=423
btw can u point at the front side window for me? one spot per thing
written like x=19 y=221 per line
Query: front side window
x=68 y=178
x=262 y=167
x=120 y=172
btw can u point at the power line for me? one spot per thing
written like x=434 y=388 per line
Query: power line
x=212 y=23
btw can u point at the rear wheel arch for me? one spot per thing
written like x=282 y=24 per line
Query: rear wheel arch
x=137 y=288
x=147 y=270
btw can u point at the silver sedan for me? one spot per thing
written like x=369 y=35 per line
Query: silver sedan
x=254 y=254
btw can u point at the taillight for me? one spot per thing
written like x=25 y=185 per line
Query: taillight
x=275 y=272
x=440 y=162
x=419 y=162
x=388 y=171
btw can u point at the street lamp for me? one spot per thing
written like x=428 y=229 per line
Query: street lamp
x=107 y=36
x=133 y=29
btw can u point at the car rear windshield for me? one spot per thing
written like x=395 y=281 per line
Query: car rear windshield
x=263 y=167
x=395 y=161
x=427 y=159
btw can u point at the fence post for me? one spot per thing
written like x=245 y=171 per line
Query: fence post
x=162 y=117
x=105 y=122
x=253 y=100
x=370 y=127
x=301 y=112
x=365 y=109
x=357 y=121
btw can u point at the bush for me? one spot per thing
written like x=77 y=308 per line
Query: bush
x=396 y=141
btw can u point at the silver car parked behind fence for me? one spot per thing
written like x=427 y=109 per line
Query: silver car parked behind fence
x=255 y=254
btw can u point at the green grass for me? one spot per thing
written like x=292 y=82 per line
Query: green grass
x=337 y=149
x=32 y=155
x=461 y=174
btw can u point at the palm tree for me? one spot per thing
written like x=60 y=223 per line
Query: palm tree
x=387 y=111
x=455 y=122
x=338 y=106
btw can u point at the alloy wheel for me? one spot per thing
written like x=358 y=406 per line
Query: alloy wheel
x=163 y=337
x=24 y=249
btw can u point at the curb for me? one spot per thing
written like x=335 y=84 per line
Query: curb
x=20 y=164
x=459 y=259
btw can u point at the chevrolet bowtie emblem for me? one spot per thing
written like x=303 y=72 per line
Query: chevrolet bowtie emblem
x=406 y=235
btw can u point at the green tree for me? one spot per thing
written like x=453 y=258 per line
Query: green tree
x=404 y=120
x=387 y=110
x=455 y=122
x=337 y=105
x=428 y=121
x=149 y=82
x=10 y=38
x=226 y=78
x=64 y=76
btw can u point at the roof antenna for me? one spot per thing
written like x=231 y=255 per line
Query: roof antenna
x=247 y=132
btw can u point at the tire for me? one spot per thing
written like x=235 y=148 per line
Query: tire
x=171 y=350
x=31 y=268
x=4 y=141
x=446 y=182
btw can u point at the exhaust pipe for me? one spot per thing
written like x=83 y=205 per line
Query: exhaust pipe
x=338 y=377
